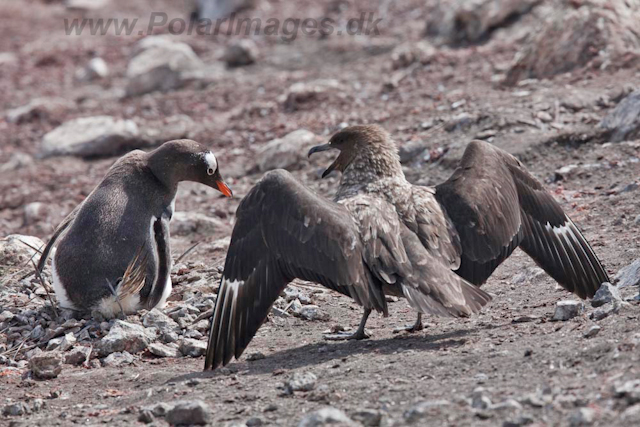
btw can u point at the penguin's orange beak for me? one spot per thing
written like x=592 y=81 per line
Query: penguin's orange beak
x=224 y=188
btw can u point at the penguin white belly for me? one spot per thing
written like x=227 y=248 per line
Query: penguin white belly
x=165 y=293
x=58 y=288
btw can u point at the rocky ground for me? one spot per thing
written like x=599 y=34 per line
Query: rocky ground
x=437 y=76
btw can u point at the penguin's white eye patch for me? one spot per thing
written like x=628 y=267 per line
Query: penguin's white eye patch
x=212 y=163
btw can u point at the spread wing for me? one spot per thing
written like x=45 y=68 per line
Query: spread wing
x=283 y=231
x=496 y=206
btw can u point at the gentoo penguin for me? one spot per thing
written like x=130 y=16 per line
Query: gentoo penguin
x=113 y=251
x=382 y=235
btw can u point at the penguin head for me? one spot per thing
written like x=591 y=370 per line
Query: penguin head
x=187 y=160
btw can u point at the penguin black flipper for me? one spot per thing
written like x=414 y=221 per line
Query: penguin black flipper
x=59 y=231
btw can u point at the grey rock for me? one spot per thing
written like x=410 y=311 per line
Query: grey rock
x=6 y=316
x=40 y=108
x=118 y=359
x=607 y=293
x=368 y=417
x=286 y=152
x=254 y=422
x=169 y=337
x=629 y=275
x=90 y=137
x=96 y=69
x=161 y=66
x=304 y=95
x=16 y=161
x=156 y=318
x=216 y=9
x=193 y=348
x=85 y=5
x=582 y=417
x=522 y=420
x=301 y=381
x=8 y=58
x=164 y=350
x=567 y=309
x=326 y=416
x=125 y=336
x=241 y=53
x=623 y=122
x=145 y=416
x=509 y=404
x=62 y=343
x=159 y=409
x=480 y=400
x=592 y=331
x=311 y=312
x=187 y=223
x=46 y=365
x=628 y=390
x=252 y=357
x=16 y=249
x=189 y=412
x=179 y=126
x=411 y=151
x=421 y=410
x=605 y=311
x=16 y=409
x=37 y=333
x=77 y=356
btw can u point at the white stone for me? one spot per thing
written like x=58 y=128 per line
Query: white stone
x=567 y=309
x=17 y=249
x=90 y=136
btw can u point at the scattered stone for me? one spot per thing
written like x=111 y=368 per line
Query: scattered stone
x=8 y=58
x=164 y=350
x=125 y=336
x=592 y=332
x=193 y=348
x=301 y=381
x=85 y=5
x=509 y=404
x=189 y=412
x=91 y=137
x=629 y=390
x=311 y=312
x=602 y=32
x=17 y=249
x=216 y=9
x=567 y=309
x=544 y=116
x=459 y=23
x=252 y=357
x=162 y=66
x=16 y=161
x=96 y=69
x=607 y=293
x=305 y=95
x=156 y=318
x=241 y=53
x=368 y=417
x=46 y=365
x=187 y=223
x=566 y=172
x=159 y=409
x=522 y=420
x=254 y=422
x=411 y=151
x=118 y=359
x=605 y=311
x=626 y=276
x=480 y=400
x=156 y=132
x=16 y=409
x=145 y=416
x=40 y=109
x=62 y=343
x=286 y=152
x=326 y=416
x=421 y=410
x=77 y=356
x=623 y=122
x=582 y=417
x=533 y=400
x=407 y=54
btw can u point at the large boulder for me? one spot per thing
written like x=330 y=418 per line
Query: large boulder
x=462 y=22
x=91 y=137
x=286 y=152
x=161 y=65
x=601 y=32
x=124 y=336
x=623 y=122
x=16 y=249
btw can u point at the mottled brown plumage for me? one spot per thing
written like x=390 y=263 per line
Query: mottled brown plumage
x=382 y=235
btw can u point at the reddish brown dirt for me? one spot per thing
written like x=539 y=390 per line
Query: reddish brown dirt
x=388 y=372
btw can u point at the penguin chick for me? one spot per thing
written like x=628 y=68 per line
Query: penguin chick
x=113 y=253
